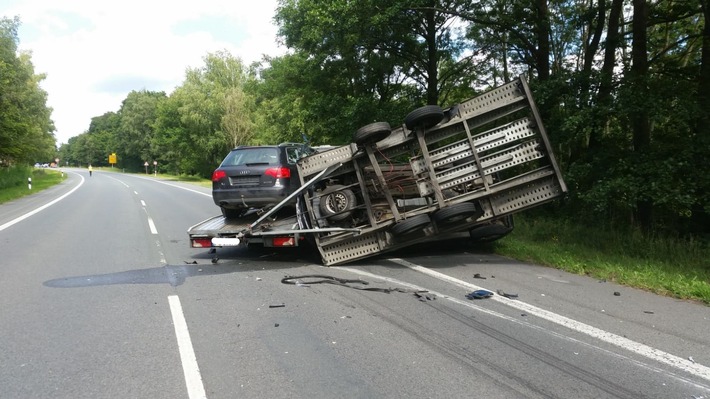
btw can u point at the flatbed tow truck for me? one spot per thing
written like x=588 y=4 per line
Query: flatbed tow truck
x=442 y=173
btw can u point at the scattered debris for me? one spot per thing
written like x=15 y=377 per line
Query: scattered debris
x=648 y=311
x=479 y=294
x=258 y=279
x=602 y=280
x=523 y=314
x=617 y=293
x=278 y=306
x=478 y=275
x=507 y=295
x=194 y=262
x=276 y=324
x=215 y=259
x=425 y=296
x=691 y=359
x=350 y=283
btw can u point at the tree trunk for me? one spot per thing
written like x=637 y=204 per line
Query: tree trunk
x=613 y=39
x=704 y=80
x=542 y=55
x=640 y=117
x=432 y=92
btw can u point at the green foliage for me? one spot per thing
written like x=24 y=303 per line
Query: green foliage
x=25 y=124
x=13 y=181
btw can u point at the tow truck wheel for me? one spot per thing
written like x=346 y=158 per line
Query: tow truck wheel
x=337 y=203
x=407 y=226
x=455 y=213
x=372 y=133
x=426 y=116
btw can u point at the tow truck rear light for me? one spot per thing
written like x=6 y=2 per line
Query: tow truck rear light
x=284 y=241
x=218 y=175
x=201 y=243
x=278 y=173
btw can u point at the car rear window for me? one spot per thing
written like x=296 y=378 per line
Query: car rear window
x=252 y=156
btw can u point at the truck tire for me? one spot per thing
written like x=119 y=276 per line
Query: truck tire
x=337 y=203
x=426 y=116
x=455 y=213
x=407 y=226
x=372 y=133
x=492 y=231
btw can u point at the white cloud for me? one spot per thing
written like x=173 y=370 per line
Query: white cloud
x=95 y=52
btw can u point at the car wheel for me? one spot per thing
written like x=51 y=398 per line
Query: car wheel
x=455 y=213
x=337 y=203
x=372 y=133
x=230 y=213
x=407 y=226
x=426 y=116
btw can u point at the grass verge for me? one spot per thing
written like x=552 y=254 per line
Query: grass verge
x=671 y=267
x=41 y=179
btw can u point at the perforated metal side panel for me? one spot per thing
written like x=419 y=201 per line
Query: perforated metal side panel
x=525 y=196
x=317 y=162
x=496 y=98
x=350 y=249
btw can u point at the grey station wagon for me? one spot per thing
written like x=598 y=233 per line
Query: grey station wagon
x=256 y=177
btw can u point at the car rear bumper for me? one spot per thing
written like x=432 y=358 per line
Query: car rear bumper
x=243 y=198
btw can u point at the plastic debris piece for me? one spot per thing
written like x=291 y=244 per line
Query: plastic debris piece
x=276 y=324
x=258 y=279
x=478 y=275
x=215 y=259
x=479 y=294
x=277 y=306
x=194 y=262
x=507 y=295
x=617 y=293
x=648 y=312
x=523 y=314
x=691 y=359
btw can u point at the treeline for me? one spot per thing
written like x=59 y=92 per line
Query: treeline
x=26 y=130
x=624 y=88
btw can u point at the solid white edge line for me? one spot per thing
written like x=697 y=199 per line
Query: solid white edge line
x=695 y=369
x=41 y=208
x=193 y=378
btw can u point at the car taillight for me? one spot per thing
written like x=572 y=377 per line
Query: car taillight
x=278 y=173
x=218 y=175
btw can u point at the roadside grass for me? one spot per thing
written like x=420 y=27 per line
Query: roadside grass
x=666 y=266
x=15 y=186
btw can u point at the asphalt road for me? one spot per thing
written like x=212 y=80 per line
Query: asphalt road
x=101 y=297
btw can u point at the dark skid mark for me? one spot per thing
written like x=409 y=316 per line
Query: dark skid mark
x=174 y=275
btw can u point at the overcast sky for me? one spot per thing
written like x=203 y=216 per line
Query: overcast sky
x=95 y=52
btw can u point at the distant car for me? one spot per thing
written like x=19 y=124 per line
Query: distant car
x=256 y=177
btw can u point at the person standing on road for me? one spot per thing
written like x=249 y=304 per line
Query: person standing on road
x=90 y=170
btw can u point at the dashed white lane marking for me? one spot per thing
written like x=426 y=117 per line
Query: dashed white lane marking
x=193 y=378
x=153 y=230
x=43 y=207
x=143 y=203
x=695 y=369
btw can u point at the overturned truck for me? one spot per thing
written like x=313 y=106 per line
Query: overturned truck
x=466 y=168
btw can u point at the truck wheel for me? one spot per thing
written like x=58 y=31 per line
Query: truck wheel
x=426 y=116
x=455 y=213
x=337 y=203
x=409 y=225
x=372 y=133
x=230 y=213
